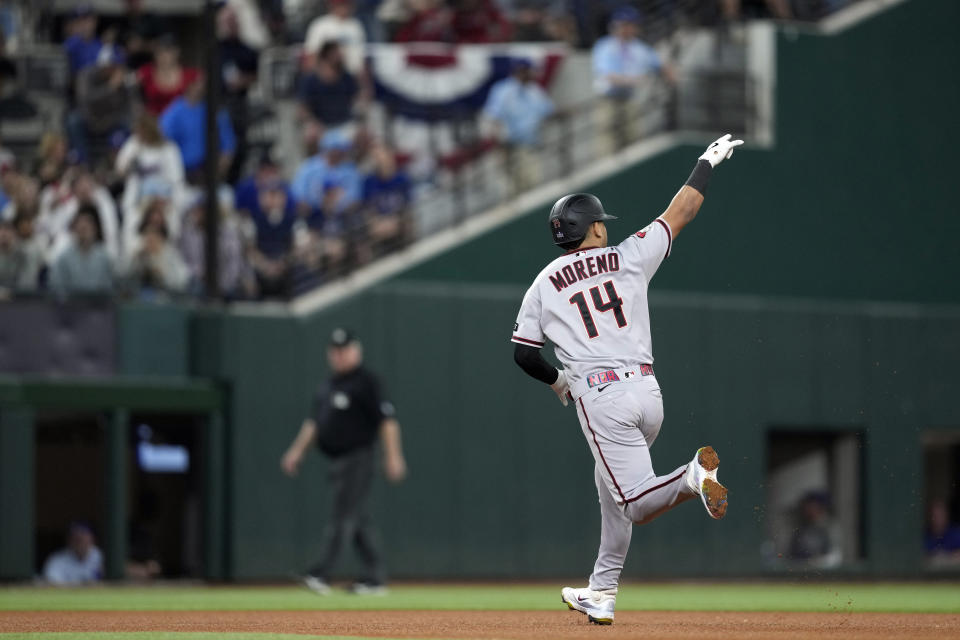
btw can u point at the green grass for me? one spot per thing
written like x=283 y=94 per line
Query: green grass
x=826 y=597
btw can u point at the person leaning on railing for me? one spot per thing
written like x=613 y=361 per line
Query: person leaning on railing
x=622 y=66
x=516 y=107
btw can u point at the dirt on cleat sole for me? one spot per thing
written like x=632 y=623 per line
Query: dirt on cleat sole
x=708 y=459
x=716 y=497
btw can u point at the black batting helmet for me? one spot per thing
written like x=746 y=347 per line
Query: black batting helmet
x=572 y=215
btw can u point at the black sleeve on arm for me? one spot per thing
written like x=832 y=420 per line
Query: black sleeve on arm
x=529 y=359
x=700 y=177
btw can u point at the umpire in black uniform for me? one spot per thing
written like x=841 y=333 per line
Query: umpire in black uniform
x=349 y=414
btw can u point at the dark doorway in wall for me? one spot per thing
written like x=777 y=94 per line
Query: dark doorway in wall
x=814 y=498
x=69 y=479
x=164 y=508
x=941 y=498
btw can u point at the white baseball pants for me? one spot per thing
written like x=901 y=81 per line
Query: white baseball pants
x=620 y=422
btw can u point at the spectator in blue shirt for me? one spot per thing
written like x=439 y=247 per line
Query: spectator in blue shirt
x=82 y=45
x=621 y=61
x=332 y=164
x=246 y=193
x=386 y=205
x=517 y=105
x=184 y=122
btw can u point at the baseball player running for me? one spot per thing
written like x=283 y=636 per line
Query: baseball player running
x=592 y=304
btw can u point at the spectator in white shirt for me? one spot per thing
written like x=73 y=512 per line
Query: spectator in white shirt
x=148 y=158
x=80 y=562
x=339 y=25
x=59 y=203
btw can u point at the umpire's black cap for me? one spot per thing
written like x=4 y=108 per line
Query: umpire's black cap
x=341 y=337
x=573 y=214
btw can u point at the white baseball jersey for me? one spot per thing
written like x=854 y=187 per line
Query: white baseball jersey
x=592 y=304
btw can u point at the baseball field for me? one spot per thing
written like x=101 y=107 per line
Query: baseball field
x=479 y=611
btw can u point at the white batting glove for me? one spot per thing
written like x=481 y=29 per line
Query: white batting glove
x=720 y=150
x=561 y=387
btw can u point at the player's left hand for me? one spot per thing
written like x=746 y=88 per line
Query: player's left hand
x=720 y=150
x=561 y=387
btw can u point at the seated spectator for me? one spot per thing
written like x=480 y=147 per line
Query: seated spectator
x=59 y=203
x=165 y=79
x=156 y=266
x=246 y=192
x=156 y=202
x=271 y=255
x=334 y=165
x=81 y=562
x=24 y=224
x=941 y=540
x=479 y=22
x=84 y=267
x=329 y=93
x=147 y=158
x=19 y=267
x=52 y=158
x=24 y=194
x=815 y=541
x=238 y=73
x=232 y=272
x=104 y=106
x=621 y=61
x=386 y=206
x=184 y=122
x=338 y=25
x=333 y=230
x=431 y=21
x=82 y=45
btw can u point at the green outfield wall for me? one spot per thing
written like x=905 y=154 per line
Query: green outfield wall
x=816 y=290
x=501 y=479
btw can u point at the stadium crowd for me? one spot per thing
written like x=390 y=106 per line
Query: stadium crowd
x=112 y=202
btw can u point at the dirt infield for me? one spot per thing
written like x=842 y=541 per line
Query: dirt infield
x=513 y=625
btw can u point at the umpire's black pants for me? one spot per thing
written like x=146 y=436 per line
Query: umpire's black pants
x=351 y=475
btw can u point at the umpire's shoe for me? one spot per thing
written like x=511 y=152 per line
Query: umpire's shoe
x=701 y=477
x=597 y=605
x=318 y=585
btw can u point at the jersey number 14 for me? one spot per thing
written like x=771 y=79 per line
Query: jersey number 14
x=614 y=303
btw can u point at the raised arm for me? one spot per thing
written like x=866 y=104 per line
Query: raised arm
x=685 y=205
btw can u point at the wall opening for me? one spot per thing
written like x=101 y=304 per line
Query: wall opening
x=814 y=499
x=941 y=498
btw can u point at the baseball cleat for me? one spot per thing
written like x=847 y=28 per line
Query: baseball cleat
x=597 y=605
x=702 y=479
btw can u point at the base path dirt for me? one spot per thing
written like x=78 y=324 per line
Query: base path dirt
x=504 y=625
